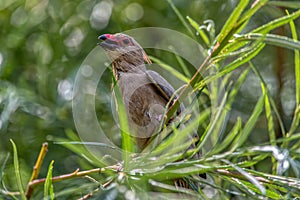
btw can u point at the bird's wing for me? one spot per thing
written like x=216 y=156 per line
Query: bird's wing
x=164 y=87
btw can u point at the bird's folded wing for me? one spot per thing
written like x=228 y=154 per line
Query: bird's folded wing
x=164 y=87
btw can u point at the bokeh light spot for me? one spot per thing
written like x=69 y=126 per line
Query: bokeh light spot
x=134 y=12
x=1 y=59
x=19 y=17
x=101 y=14
x=87 y=71
x=75 y=38
x=65 y=90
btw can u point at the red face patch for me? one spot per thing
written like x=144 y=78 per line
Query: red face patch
x=109 y=36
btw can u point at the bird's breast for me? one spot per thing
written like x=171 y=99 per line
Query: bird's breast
x=144 y=104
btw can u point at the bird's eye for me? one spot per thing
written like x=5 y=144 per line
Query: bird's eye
x=126 y=41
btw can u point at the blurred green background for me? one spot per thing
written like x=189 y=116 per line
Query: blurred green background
x=44 y=42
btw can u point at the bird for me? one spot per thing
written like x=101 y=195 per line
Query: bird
x=146 y=94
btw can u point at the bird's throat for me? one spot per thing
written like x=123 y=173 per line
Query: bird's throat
x=126 y=67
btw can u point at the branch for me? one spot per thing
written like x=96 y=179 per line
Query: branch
x=36 y=169
x=74 y=174
x=185 y=90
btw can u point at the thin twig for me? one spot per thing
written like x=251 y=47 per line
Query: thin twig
x=192 y=82
x=87 y=196
x=240 y=176
x=5 y=192
x=74 y=174
x=36 y=169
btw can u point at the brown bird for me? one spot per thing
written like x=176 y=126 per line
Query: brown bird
x=145 y=93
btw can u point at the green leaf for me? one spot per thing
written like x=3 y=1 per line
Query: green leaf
x=248 y=176
x=231 y=21
x=17 y=171
x=79 y=148
x=71 y=190
x=273 y=104
x=285 y=4
x=296 y=117
x=296 y=61
x=3 y=164
x=249 y=13
x=264 y=29
x=174 y=144
x=269 y=116
x=276 y=23
x=198 y=28
x=48 y=186
x=181 y=18
x=127 y=144
x=255 y=49
x=271 y=39
x=190 y=194
x=268 y=109
x=182 y=65
x=250 y=123
x=295 y=136
x=236 y=88
x=170 y=69
x=230 y=51
x=277 y=180
x=234 y=133
x=237 y=27
x=215 y=124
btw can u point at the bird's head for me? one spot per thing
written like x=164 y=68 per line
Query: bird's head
x=123 y=51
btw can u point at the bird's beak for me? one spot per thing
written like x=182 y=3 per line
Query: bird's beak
x=102 y=37
x=107 y=42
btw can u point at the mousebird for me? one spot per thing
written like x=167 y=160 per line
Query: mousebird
x=145 y=93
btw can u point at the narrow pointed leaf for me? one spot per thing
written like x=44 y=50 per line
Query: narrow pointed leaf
x=181 y=18
x=127 y=143
x=248 y=176
x=48 y=186
x=271 y=39
x=285 y=4
x=197 y=27
x=231 y=21
x=250 y=123
x=276 y=23
x=170 y=69
x=17 y=171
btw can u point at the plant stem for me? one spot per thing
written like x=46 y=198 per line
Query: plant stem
x=184 y=91
x=36 y=169
x=74 y=174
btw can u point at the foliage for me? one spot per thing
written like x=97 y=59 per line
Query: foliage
x=249 y=131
